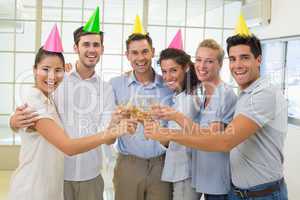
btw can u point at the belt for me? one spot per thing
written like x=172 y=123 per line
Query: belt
x=153 y=159
x=244 y=193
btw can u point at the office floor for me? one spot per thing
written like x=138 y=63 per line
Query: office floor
x=292 y=165
x=4 y=180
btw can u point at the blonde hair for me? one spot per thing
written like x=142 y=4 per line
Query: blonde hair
x=212 y=44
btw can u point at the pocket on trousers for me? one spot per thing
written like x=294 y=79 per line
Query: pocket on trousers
x=116 y=171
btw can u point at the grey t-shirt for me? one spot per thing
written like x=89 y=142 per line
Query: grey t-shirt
x=259 y=159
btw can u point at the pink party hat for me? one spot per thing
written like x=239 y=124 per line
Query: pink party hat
x=177 y=41
x=53 y=42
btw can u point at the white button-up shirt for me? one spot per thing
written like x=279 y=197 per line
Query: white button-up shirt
x=85 y=108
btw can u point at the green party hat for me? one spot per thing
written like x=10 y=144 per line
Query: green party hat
x=93 y=24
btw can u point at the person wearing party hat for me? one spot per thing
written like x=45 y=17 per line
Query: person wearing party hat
x=179 y=76
x=137 y=174
x=40 y=174
x=85 y=104
x=255 y=137
x=209 y=173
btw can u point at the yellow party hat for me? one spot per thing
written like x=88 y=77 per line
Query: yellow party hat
x=138 y=27
x=242 y=28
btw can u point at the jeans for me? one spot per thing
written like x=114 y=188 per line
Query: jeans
x=182 y=190
x=214 y=196
x=280 y=194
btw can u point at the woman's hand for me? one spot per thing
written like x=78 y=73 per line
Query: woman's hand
x=153 y=131
x=164 y=112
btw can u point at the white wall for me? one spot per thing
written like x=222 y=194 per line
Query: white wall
x=292 y=162
x=285 y=17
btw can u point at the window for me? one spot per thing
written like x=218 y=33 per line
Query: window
x=273 y=62
x=292 y=82
x=281 y=66
x=22 y=31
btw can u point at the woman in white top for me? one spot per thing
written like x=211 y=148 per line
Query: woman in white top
x=39 y=175
x=176 y=67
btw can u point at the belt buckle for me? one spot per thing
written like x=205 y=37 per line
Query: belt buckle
x=240 y=193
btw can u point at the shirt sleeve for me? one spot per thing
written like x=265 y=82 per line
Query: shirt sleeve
x=108 y=107
x=192 y=107
x=260 y=106
x=112 y=83
x=224 y=106
x=37 y=101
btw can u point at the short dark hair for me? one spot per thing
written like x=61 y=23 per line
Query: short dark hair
x=79 y=32
x=41 y=54
x=252 y=41
x=182 y=59
x=137 y=37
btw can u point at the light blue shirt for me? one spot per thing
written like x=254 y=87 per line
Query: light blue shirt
x=127 y=88
x=178 y=157
x=211 y=170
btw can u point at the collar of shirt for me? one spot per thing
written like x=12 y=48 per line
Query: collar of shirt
x=158 y=82
x=46 y=100
x=75 y=73
x=176 y=97
x=259 y=83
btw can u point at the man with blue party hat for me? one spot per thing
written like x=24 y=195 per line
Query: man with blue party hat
x=85 y=103
x=255 y=137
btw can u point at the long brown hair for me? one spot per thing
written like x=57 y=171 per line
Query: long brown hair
x=182 y=59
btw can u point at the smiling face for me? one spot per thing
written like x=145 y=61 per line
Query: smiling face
x=49 y=72
x=140 y=55
x=173 y=74
x=207 y=66
x=243 y=65
x=89 y=49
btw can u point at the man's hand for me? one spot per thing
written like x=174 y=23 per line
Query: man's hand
x=68 y=67
x=23 y=117
x=125 y=126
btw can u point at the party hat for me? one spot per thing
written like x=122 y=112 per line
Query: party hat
x=53 y=42
x=242 y=28
x=177 y=41
x=93 y=24
x=138 y=27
